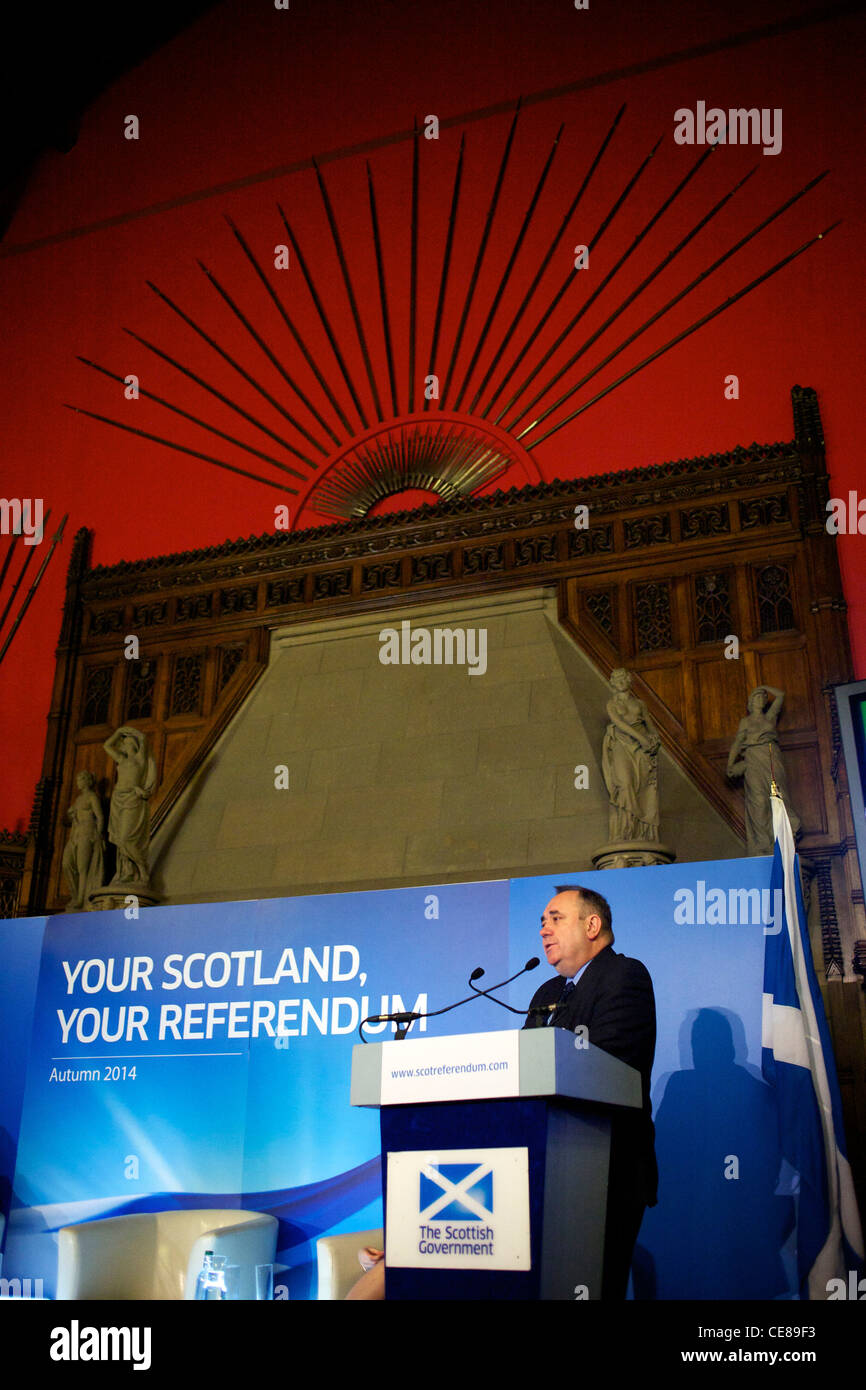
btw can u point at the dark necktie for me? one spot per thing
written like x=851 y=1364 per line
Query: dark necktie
x=567 y=990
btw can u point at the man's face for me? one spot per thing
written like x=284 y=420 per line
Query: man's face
x=568 y=936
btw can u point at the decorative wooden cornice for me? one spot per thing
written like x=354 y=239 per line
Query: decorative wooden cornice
x=461 y=519
x=13 y=839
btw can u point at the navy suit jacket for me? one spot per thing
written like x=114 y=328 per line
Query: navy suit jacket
x=613 y=998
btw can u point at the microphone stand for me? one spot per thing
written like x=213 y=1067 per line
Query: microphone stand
x=403 y=1020
x=531 y=964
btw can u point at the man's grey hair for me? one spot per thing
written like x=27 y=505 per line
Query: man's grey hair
x=593 y=902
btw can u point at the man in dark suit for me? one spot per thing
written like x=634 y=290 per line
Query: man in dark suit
x=612 y=997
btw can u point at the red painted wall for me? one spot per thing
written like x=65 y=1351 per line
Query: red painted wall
x=251 y=89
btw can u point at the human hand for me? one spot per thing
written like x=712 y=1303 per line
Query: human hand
x=369 y=1256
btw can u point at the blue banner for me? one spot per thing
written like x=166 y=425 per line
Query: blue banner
x=200 y=1056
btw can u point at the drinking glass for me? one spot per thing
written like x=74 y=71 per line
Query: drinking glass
x=264 y=1281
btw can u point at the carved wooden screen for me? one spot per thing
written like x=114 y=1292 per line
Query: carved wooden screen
x=675 y=561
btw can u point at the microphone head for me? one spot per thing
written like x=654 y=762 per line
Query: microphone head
x=477 y=973
x=532 y=963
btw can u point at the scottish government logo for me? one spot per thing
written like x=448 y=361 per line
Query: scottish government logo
x=456 y=1192
x=458 y=1209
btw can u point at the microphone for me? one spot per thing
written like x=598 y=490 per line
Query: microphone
x=403 y=1020
x=531 y=964
x=393 y=1018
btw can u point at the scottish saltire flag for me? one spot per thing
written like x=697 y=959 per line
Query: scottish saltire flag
x=798 y=1061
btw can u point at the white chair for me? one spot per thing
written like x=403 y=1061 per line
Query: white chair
x=338 y=1261
x=158 y=1255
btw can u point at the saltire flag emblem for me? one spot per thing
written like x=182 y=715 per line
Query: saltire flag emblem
x=456 y=1192
x=797 y=1060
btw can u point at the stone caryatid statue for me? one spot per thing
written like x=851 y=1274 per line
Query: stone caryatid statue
x=756 y=756
x=83 y=857
x=629 y=761
x=129 y=815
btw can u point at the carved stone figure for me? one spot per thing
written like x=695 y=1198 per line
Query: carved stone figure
x=129 y=816
x=756 y=756
x=83 y=858
x=629 y=761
